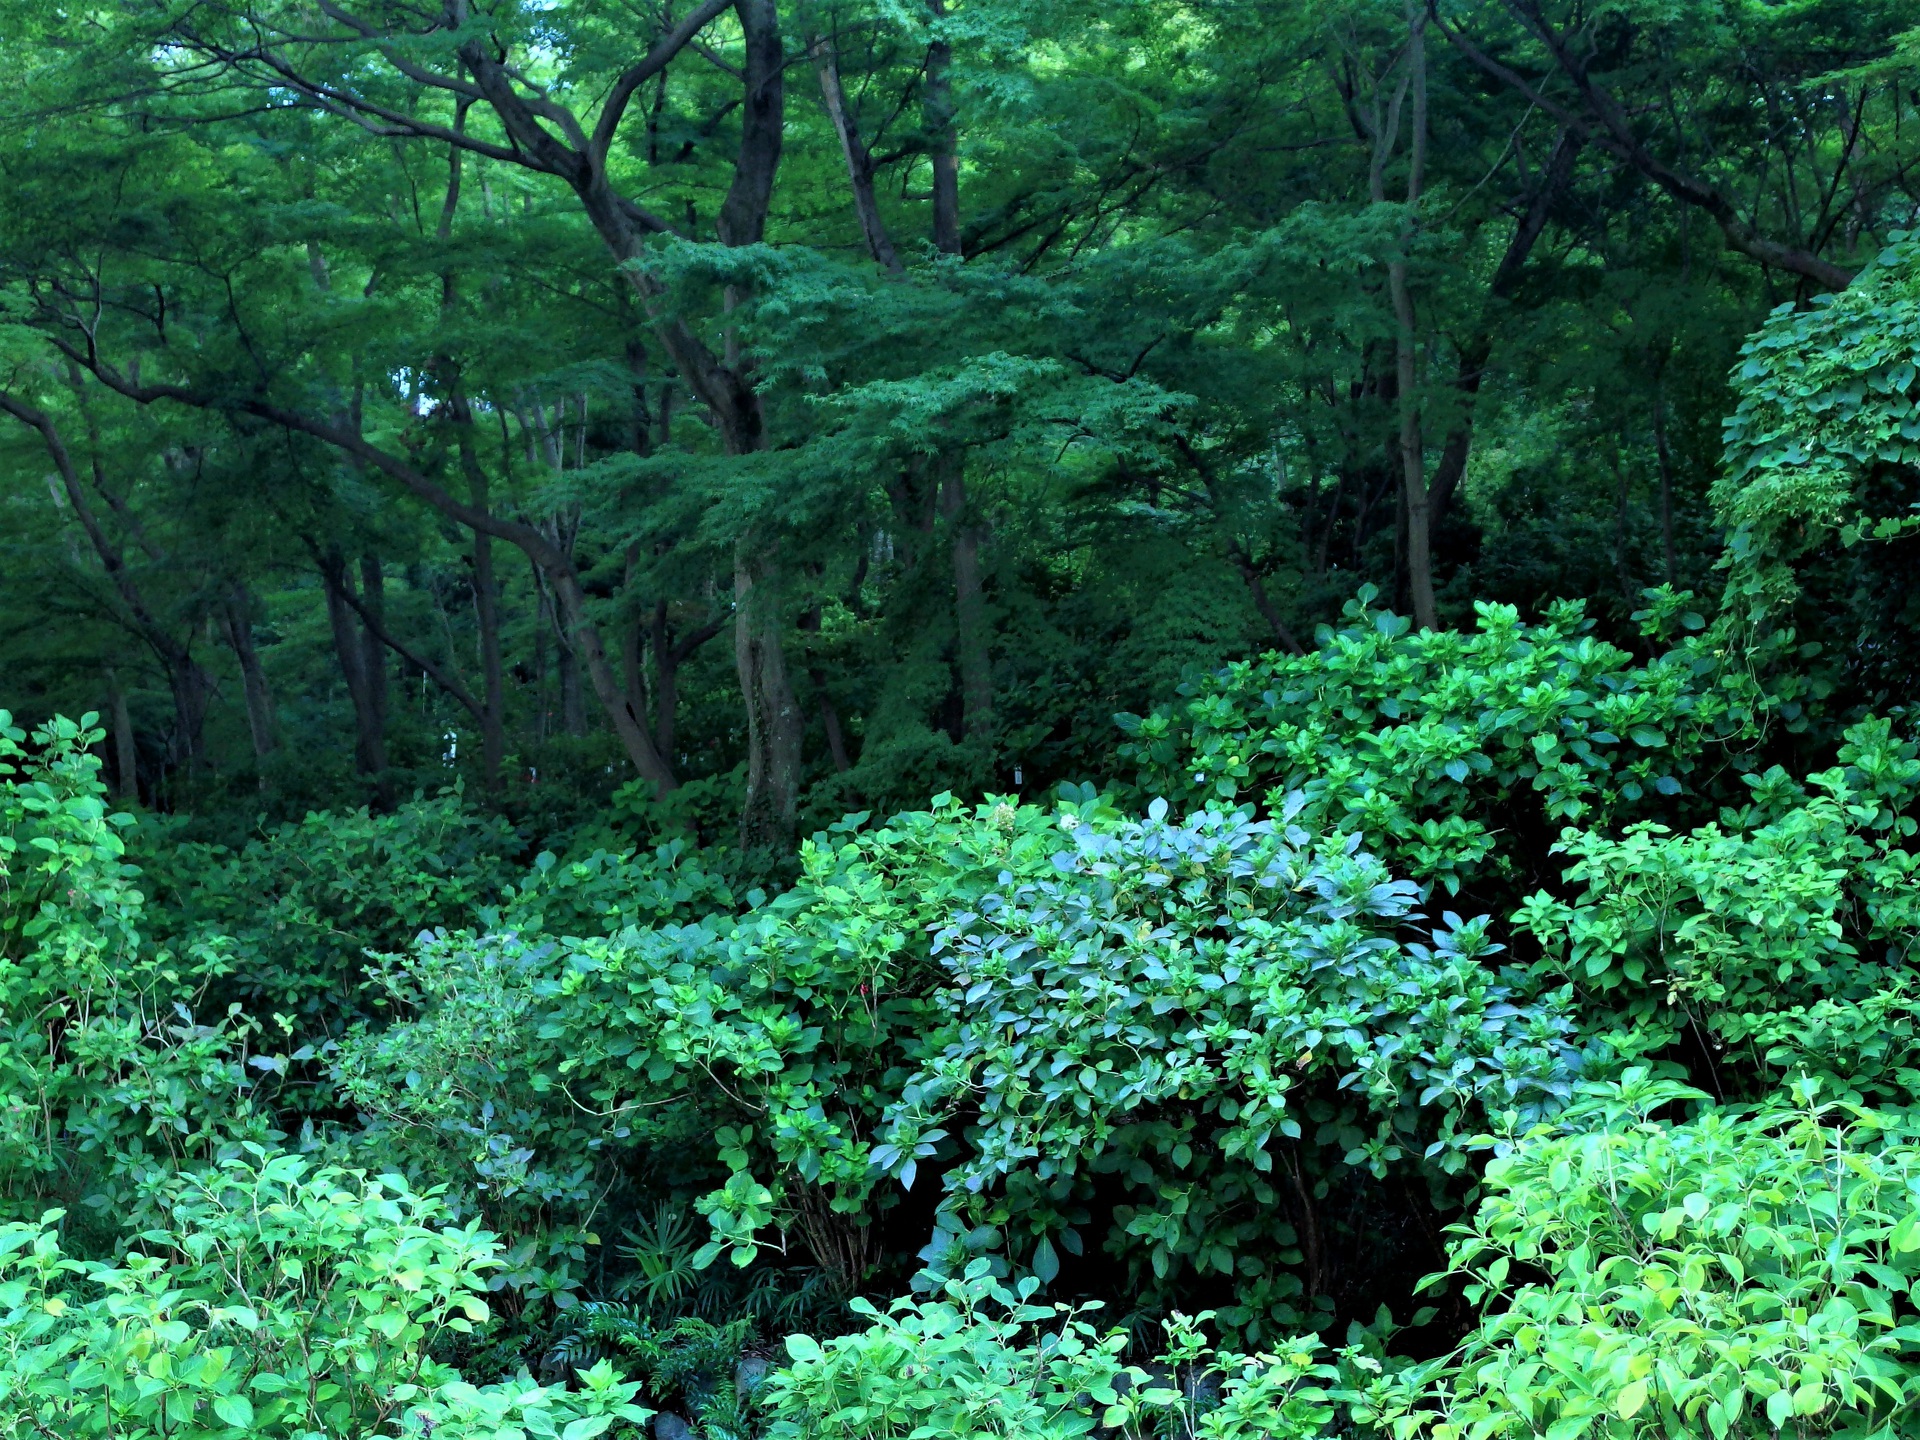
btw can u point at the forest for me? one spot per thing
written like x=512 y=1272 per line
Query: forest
x=940 y=719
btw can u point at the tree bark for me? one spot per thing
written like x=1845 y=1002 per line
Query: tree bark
x=486 y=616
x=971 y=645
x=829 y=712
x=944 y=150
x=853 y=150
x=774 y=722
x=491 y=714
x=1413 y=463
x=191 y=686
x=253 y=680
x=126 y=755
x=350 y=645
x=373 y=599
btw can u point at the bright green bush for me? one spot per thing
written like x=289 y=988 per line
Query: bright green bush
x=981 y=1360
x=1450 y=752
x=1744 y=1273
x=1782 y=935
x=604 y=892
x=1092 y=1031
x=1826 y=405
x=106 y=1074
x=271 y=1299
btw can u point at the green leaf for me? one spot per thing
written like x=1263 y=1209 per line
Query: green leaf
x=1632 y=1397
x=236 y=1410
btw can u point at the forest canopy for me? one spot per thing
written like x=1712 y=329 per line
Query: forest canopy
x=853 y=721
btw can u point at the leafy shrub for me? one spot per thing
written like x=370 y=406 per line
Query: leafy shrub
x=1452 y=753
x=1111 y=1002
x=1201 y=1017
x=1826 y=401
x=604 y=892
x=983 y=1360
x=688 y=1363
x=1744 y=1273
x=1785 y=932
x=273 y=1300
x=105 y=1074
x=300 y=906
x=63 y=879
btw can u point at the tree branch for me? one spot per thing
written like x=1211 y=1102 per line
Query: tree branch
x=649 y=65
x=440 y=676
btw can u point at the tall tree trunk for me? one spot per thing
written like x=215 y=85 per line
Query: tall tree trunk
x=373 y=595
x=486 y=594
x=853 y=150
x=563 y=604
x=253 y=680
x=633 y=678
x=1413 y=462
x=486 y=615
x=972 y=650
x=126 y=755
x=969 y=599
x=573 y=712
x=349 y=644
x=829 y=712
x=774 y=723
x=569 y=620
x=666 y=681
x=542 y=626
x=1670 y=561
x=945 y=151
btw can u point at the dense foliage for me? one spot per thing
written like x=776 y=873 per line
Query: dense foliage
x=1307 y=823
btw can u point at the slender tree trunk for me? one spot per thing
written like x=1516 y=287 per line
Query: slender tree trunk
x=774 y=722
x=486 y=615
x=573 y=710
x=373 y=594
x=853 y=149
x=126 y=755
x=1664 y=457
x=350 y=643
x=666 y=681
x=253 y=680
x=969 y=599
x=542 y=623
x=486 y=591
x=590 y=655
x=1413 y=463
x=568 y=621
x=829 y=713
x=972 y=649
x=945 y=156
x=633 y=669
